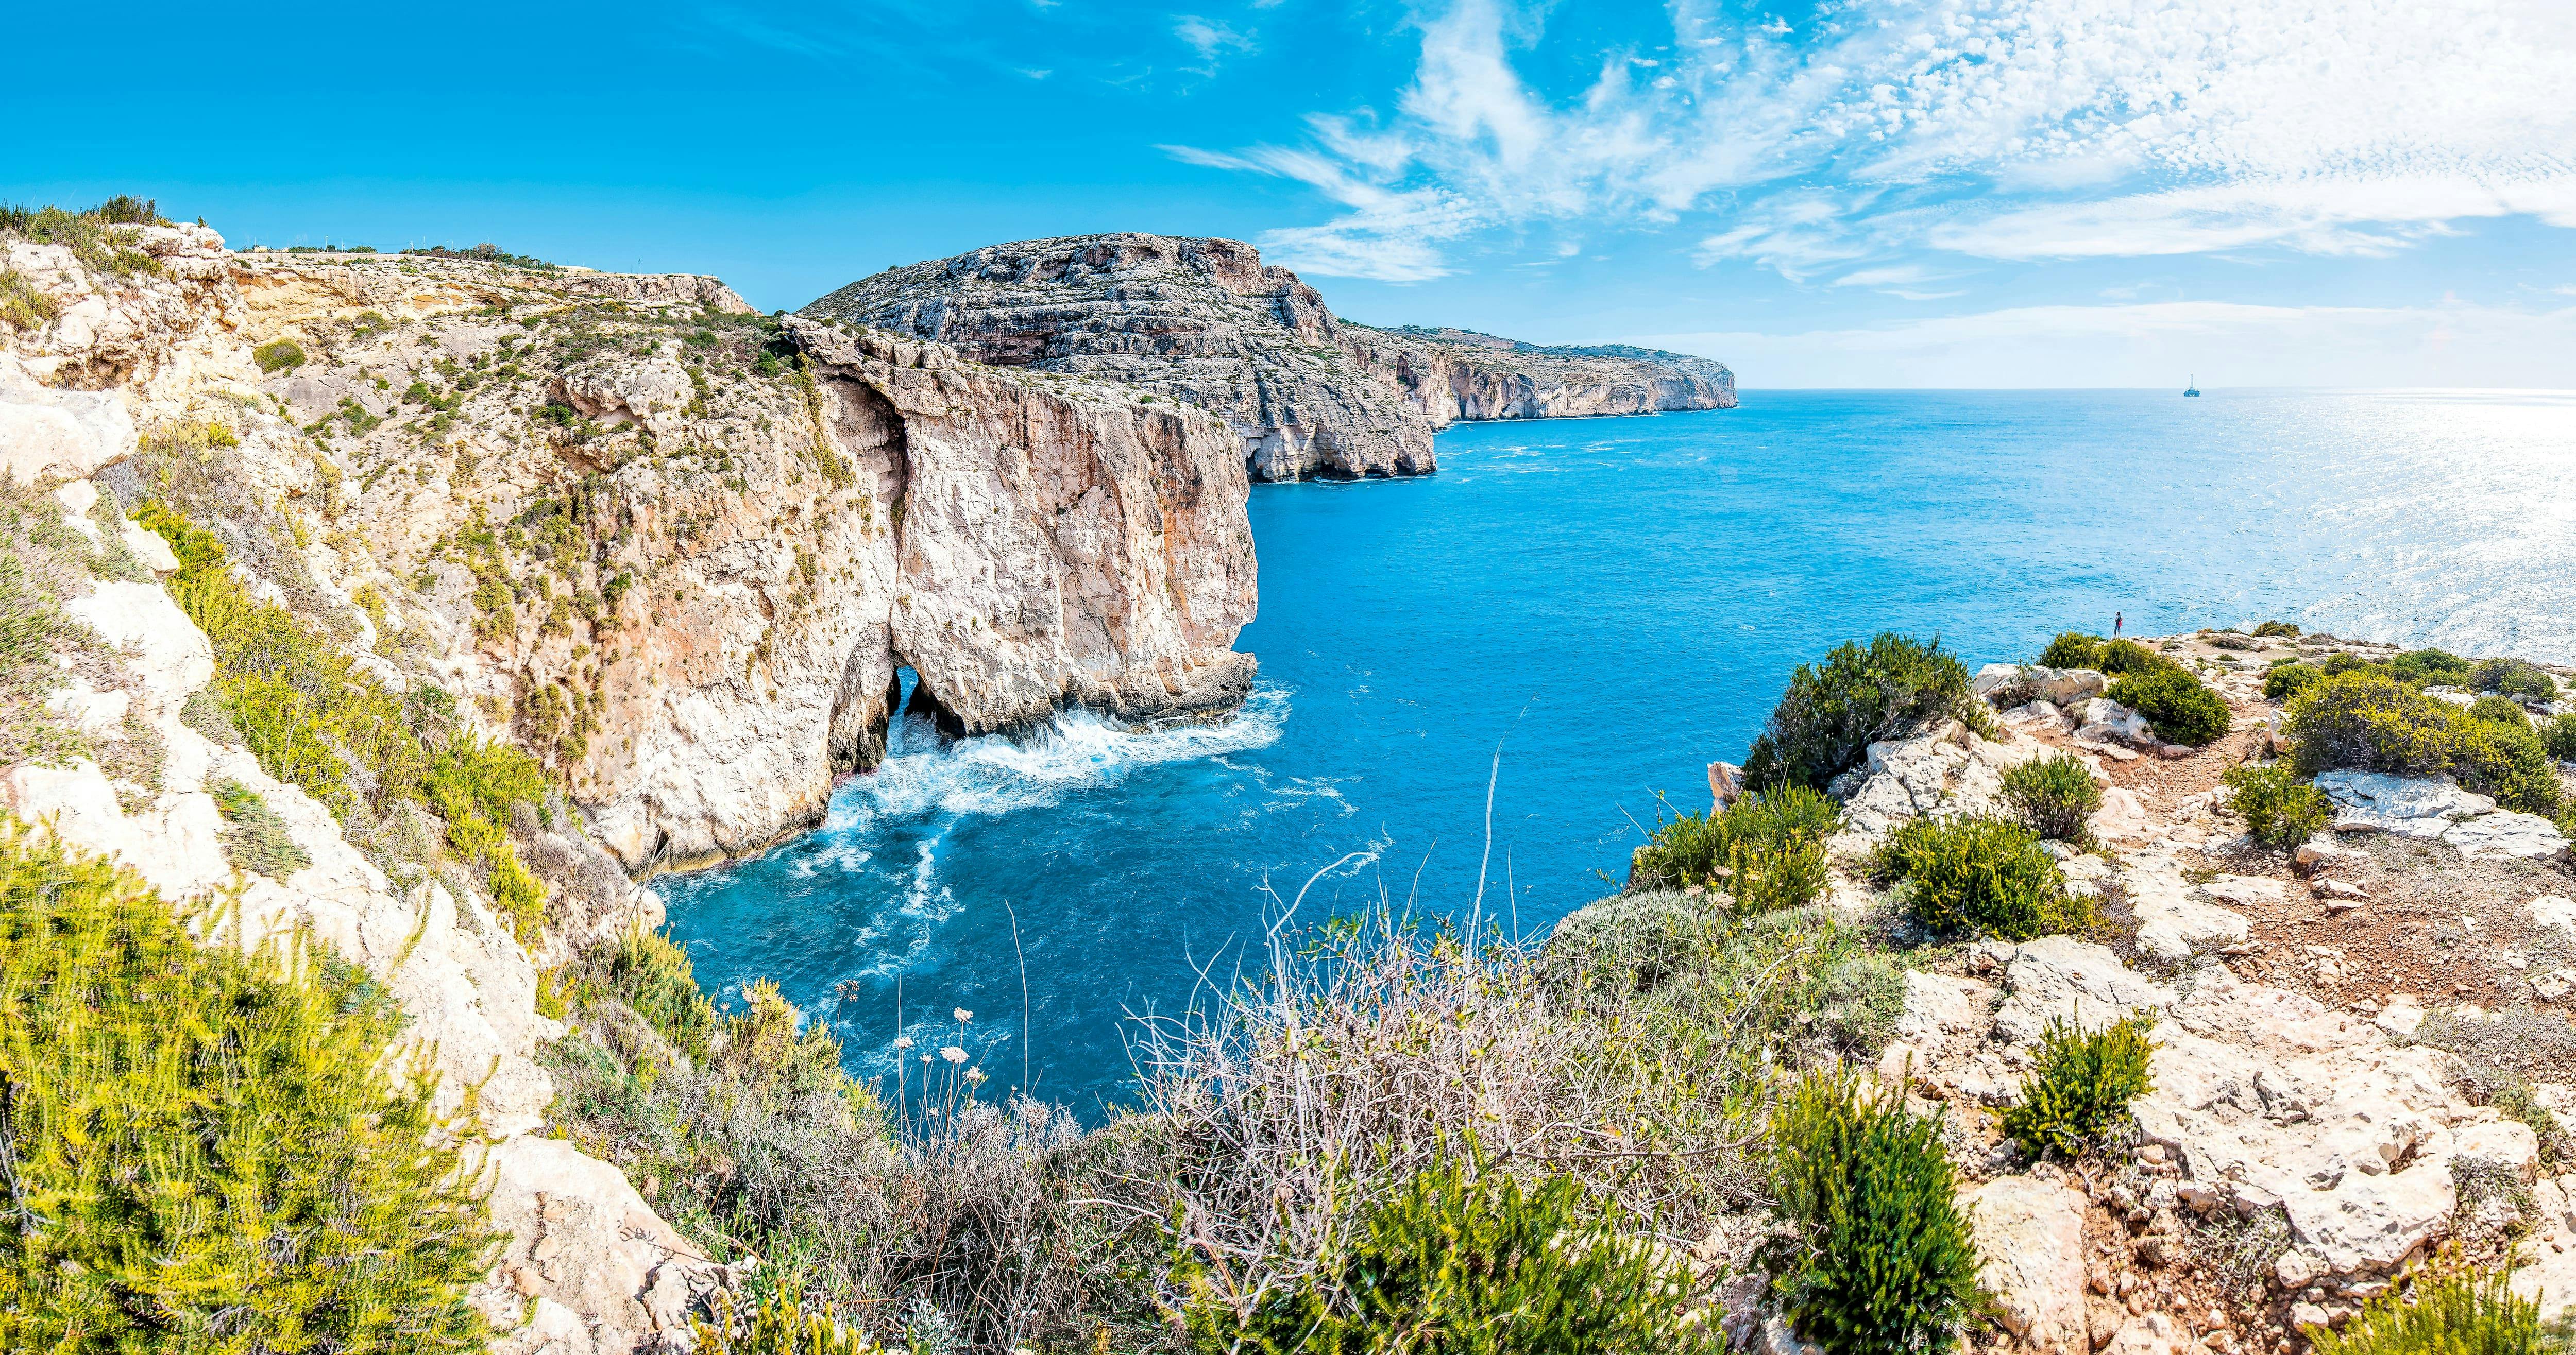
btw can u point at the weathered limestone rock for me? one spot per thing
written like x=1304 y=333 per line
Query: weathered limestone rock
x=57 y=434
x=1205 y=322
x=2031 y=1233
x=2436 y=807
x=2269 y=1098
x=2177 y=920
x=1949 y=770
x=2061 y=978
x=2006 y=685
x=2547 y=1273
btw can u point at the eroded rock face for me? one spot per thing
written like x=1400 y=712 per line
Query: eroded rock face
x=1206 y=322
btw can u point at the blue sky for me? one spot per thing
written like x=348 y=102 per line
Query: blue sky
x=1869 y=193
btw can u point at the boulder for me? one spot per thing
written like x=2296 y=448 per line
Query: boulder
x=2031 y=1233
x=2006 y=685
x=1950 y=770
x=2553 y=911
x=2547 y=1273
x=163 y=647
x=2152 y=1334
x=2409 y=806
x=2059 y=977
x=2506 y=833
x=2103 y=720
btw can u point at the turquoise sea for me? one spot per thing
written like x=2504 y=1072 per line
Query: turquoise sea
x=1610 y=604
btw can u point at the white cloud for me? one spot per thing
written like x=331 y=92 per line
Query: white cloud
x=2054 y=128
x=1211 y=39
x=2158 y=344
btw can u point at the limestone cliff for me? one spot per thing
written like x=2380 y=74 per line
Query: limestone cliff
x=679 y=550
x=1206 y=322
x=675 y=549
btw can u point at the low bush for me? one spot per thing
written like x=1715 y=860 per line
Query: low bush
x=2451 y=1313
x=1881 y=1261
x=1852 y=1006
x=783 y=1324
x=2128 y=656
x=1979 y=875
x=278 y=355
x=2512 y=677
x=2558 y=738
x=2179 y=706
x=2506 y=761
x=2279 y=808
x=1861 y=694
x=2072 y=649
x=21 y=305
x=2286 y=680
x=651 y=973
x=2425 y=668
x=2370 y=721
x=2339 y=663
x=2053 y=796
x=1466 y=1262
x=206 y=1147
x=2499 y=710
x=2080 y=1086
x=1767 y=849
x=253 y=835
x=2282 y=630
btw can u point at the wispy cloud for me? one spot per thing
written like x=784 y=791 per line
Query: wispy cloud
x=1211 y=39
x=2010 y=129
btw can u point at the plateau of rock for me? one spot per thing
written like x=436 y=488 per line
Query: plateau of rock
x=1207 y=323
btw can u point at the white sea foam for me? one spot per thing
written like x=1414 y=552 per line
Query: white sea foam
x=1077 y=750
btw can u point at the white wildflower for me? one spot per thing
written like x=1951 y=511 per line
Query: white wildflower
x=952 y=1053
x=903 y=1042
x=974 y=1077
x=965 y=1015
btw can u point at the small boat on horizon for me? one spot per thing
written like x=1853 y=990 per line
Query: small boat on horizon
x=2191 y=384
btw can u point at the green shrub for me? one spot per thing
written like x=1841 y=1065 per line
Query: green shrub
x=1980 y=875
x=1853 y=1004
x=1767 y=849
x=1882 y=1262
x=1861 y=695
x=2128 y=656
x=1467 y=1262
x=2279 y=808
x=2053 y=796
x=2282 y=630
x=2072 y=649
x=781 y=1325
x=206 y=1147
x=2499 y=710
x=2286 y=680
x=2512 y=677
x=2081 y=1086
x=2179 y=707
x=254 y=837
x=2558 y=738
x=21 y=305
x=651 y=973
x=2339 y=663
x=278 y=355
x=2508 y=762
x=2368 y=720
x=2452 y=1314
x=2422 y=667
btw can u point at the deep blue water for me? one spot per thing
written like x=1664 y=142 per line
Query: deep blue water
x=1613 y=603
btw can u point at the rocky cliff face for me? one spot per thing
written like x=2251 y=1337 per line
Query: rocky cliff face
x=1206 y=322
x=678 y=550
x=1458 y=375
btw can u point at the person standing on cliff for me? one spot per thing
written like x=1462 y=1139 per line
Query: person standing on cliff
x=2117 y=619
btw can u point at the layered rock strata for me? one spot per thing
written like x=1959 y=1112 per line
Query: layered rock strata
x=1207 y=323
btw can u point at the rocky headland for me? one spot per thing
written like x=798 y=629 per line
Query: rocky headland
x=1207 y=323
